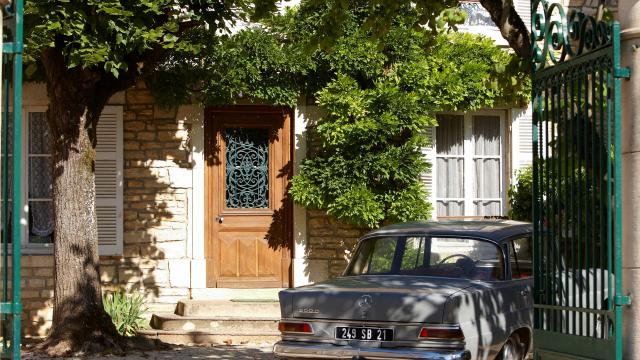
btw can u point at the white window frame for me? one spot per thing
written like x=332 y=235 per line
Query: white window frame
x=469 y=198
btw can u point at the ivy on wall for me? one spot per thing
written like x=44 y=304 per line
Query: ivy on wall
x=379 y=94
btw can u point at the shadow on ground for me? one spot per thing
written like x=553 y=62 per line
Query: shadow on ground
x=186 y=352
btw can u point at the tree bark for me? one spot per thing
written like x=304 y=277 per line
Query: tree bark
x=511 y=26
x=80 y=322
x=76 y=99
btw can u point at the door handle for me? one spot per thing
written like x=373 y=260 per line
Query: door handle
x=524 y=292
x=220 y=219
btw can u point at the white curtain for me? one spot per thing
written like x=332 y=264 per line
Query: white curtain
x=450 y=168
x=487 y=179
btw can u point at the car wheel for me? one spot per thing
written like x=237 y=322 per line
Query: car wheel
x=513 y=349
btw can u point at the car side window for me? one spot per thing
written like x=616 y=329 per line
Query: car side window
x=382 y=256
x=521 y=257
x=413 y=256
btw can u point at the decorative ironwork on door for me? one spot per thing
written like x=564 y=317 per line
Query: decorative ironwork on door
x=247 y=168
x=577 y=187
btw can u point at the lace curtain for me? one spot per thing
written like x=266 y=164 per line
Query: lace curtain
x=40 y=178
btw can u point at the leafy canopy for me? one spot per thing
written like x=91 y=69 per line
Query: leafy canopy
x=114 y=35
x=378 y=94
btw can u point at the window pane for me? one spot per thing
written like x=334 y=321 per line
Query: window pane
x=39 y=136
x=40 y=221
x=487 y=180
x=9 y=134
x=521 y=258
x=488 y=208
x=450 y=182
x=247 y=168
x=374 y=256
x=450 y=208
x=486 y=134
x=413 y=253
x=450 y=135
x=40 y=178
x=466 y=258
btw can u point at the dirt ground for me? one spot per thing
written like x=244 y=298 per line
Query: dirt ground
x=249 y=351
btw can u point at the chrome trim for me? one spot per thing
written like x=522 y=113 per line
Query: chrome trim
x=418 y=344
x=339 y=322
x=293 y=350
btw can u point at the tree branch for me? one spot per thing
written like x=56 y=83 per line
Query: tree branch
x=511 y=26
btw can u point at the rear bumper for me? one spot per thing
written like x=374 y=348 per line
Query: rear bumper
x=307 y=350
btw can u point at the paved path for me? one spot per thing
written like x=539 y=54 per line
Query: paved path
x=253 y=351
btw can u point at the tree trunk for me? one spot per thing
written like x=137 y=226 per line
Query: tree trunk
x=511 y=26
x=76 y=99
x=80 y=323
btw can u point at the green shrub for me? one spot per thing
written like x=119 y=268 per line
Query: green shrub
x=126 y=311
x=521 y=195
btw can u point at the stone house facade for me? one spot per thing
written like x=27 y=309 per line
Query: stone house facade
x=175 y=223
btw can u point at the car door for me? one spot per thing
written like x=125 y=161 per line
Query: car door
x=521 y=270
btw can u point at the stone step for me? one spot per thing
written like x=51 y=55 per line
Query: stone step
x=229 y=308
x=181 y=337
x=216 y=324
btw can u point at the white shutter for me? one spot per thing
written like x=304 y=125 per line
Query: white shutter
x=108 y=171
x=427 y=178
x=523 y=8
x=521 y=139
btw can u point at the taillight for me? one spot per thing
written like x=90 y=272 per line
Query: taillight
x=295 y=327
x=441 y=333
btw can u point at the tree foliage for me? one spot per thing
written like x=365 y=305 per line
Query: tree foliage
x=378 y=95
x=521 y=195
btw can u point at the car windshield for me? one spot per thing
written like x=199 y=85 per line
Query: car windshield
x=450 y=257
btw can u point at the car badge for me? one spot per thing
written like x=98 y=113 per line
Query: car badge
x=365 y=303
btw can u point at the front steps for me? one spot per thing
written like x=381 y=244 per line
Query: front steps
x=228 y=322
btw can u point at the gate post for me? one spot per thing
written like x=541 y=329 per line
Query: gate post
x=629 y=17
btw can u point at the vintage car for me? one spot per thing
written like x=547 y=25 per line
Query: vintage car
x=420 y=290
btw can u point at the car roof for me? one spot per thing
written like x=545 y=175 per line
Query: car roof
x=496 y=230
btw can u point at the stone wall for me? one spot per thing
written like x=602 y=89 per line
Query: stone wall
x=157 y=179
x=330 y=244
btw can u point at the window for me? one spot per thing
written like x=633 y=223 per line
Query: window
x=375 y=256
x=469 y=178
x=521 y=258
x=449 y=257
x=40 y=179
x=37 y=175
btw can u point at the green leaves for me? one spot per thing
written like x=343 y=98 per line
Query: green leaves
x=115 y=35
x=379 y=97
x=126 y=311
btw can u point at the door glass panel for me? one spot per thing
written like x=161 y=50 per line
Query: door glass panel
x=247 y=168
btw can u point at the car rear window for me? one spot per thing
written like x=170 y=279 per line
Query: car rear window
x=451 y=257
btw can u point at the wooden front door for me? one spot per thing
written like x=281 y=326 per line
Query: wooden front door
x=248 y=215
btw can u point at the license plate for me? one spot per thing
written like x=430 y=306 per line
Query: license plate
x=363 y=333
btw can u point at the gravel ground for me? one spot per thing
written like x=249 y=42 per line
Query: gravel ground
x=249 y=351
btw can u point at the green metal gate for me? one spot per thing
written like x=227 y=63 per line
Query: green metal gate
x=577 y=189
x=10 y=177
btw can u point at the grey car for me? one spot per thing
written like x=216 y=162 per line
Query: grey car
x=420 y=290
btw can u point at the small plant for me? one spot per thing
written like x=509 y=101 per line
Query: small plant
x=521 y=195
x=126 y=311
